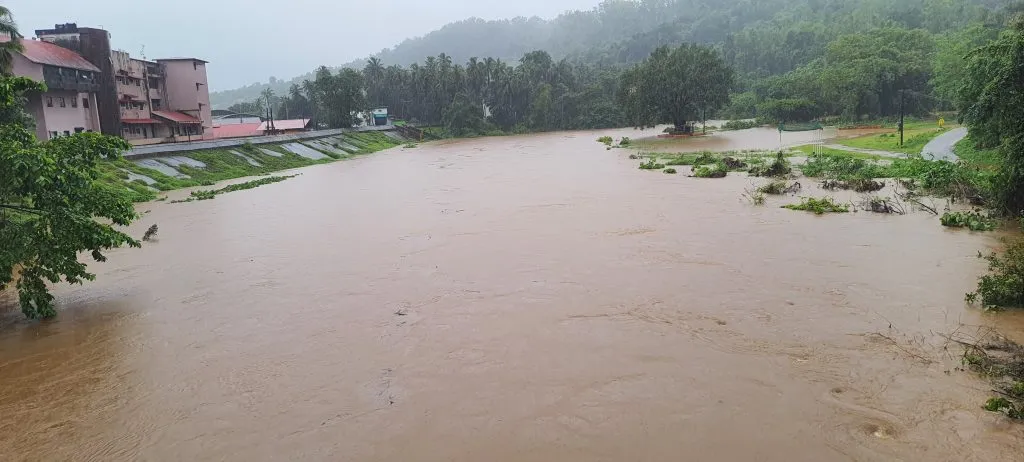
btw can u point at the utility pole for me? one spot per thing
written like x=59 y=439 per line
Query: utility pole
x=901 y=118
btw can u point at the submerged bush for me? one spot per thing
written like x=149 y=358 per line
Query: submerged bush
x=625 y=141
x=607 y=140
x=740 y=124
x=818 y=206
x=671 y=171
x=716 y=170
x=651 y=164
x=1003 y=286
x=778 y=187
x=974 y=221
x=776 y=168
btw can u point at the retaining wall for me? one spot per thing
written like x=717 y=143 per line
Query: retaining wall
x=156 y=150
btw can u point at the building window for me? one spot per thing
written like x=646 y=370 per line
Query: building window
x=61 y=102
x=54 y=135
x=74 y=102
x=85 y=103
x=197 y=86
x=79 y=129
x=49 y=103
x=138 y=83
x=195 y=65
x=156 y=104
x=67 y=133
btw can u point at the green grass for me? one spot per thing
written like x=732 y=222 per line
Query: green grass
x=986 y=159
x=915 y=136
x=809 y=149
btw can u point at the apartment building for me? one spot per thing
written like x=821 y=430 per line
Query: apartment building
x=145 y=102
x=70 y=104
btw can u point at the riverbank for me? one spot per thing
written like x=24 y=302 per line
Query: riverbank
x=144 y=179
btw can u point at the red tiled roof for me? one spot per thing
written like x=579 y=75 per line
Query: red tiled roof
x=236 y=130
x=177 y=117
x=140 y=121
x=292 y=124
x=41 y=52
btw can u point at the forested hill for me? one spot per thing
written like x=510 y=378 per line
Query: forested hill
x=758 y=37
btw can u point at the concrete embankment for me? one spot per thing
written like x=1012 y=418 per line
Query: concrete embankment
x=146 y=171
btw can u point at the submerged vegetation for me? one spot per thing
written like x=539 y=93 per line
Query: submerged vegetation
x=973 y=220
x=818 y=206
x=212 y=194
x=715 y=170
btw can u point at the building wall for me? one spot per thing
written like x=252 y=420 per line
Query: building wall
x=65 y=120
x=58 y=119
x=188 y=89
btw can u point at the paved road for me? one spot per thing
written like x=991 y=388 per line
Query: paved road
x=941 y=148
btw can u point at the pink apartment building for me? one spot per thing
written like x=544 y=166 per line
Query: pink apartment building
x=69 y=105
x=162 y=101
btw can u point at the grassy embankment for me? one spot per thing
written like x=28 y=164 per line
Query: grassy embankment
x=222 y=164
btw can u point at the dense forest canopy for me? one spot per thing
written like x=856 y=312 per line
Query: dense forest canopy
x=757 y=37
x=785 y=61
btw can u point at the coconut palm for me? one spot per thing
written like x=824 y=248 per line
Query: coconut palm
x=12 y=44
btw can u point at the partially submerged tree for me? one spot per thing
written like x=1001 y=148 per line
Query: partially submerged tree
x=51 y=206
x=676 y=85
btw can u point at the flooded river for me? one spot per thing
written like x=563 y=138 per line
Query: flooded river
x=530 y=298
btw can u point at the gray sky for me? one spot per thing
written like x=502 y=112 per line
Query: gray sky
x=250 y=40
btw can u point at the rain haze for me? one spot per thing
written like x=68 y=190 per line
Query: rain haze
x=247 y=41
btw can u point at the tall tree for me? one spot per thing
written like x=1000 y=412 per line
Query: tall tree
x=12 y=44
x=676 y=85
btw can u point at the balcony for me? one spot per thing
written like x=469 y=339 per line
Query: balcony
x=130 y=92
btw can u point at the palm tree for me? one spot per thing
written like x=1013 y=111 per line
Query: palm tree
x=10 y=46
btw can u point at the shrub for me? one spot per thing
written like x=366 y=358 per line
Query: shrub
x=818 y=206
x=671 y=171
x=625 y=141
x=606 y=140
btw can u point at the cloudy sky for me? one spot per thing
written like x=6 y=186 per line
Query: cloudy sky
x=250 y=40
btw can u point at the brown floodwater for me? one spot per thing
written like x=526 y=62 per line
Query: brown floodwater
x=519 y=298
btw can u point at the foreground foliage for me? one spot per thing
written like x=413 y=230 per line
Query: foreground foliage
x=1003 y=286
x=51 y=205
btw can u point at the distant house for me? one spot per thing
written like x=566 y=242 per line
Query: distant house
x=236 y=130
x=380 y=116
x=272 y=127
x=69 y=103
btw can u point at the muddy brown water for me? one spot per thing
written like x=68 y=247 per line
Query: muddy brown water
x=520 y=298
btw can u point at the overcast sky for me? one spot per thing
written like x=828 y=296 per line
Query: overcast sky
x=250 y=40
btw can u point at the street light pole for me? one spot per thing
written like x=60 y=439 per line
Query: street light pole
x=901 y=118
